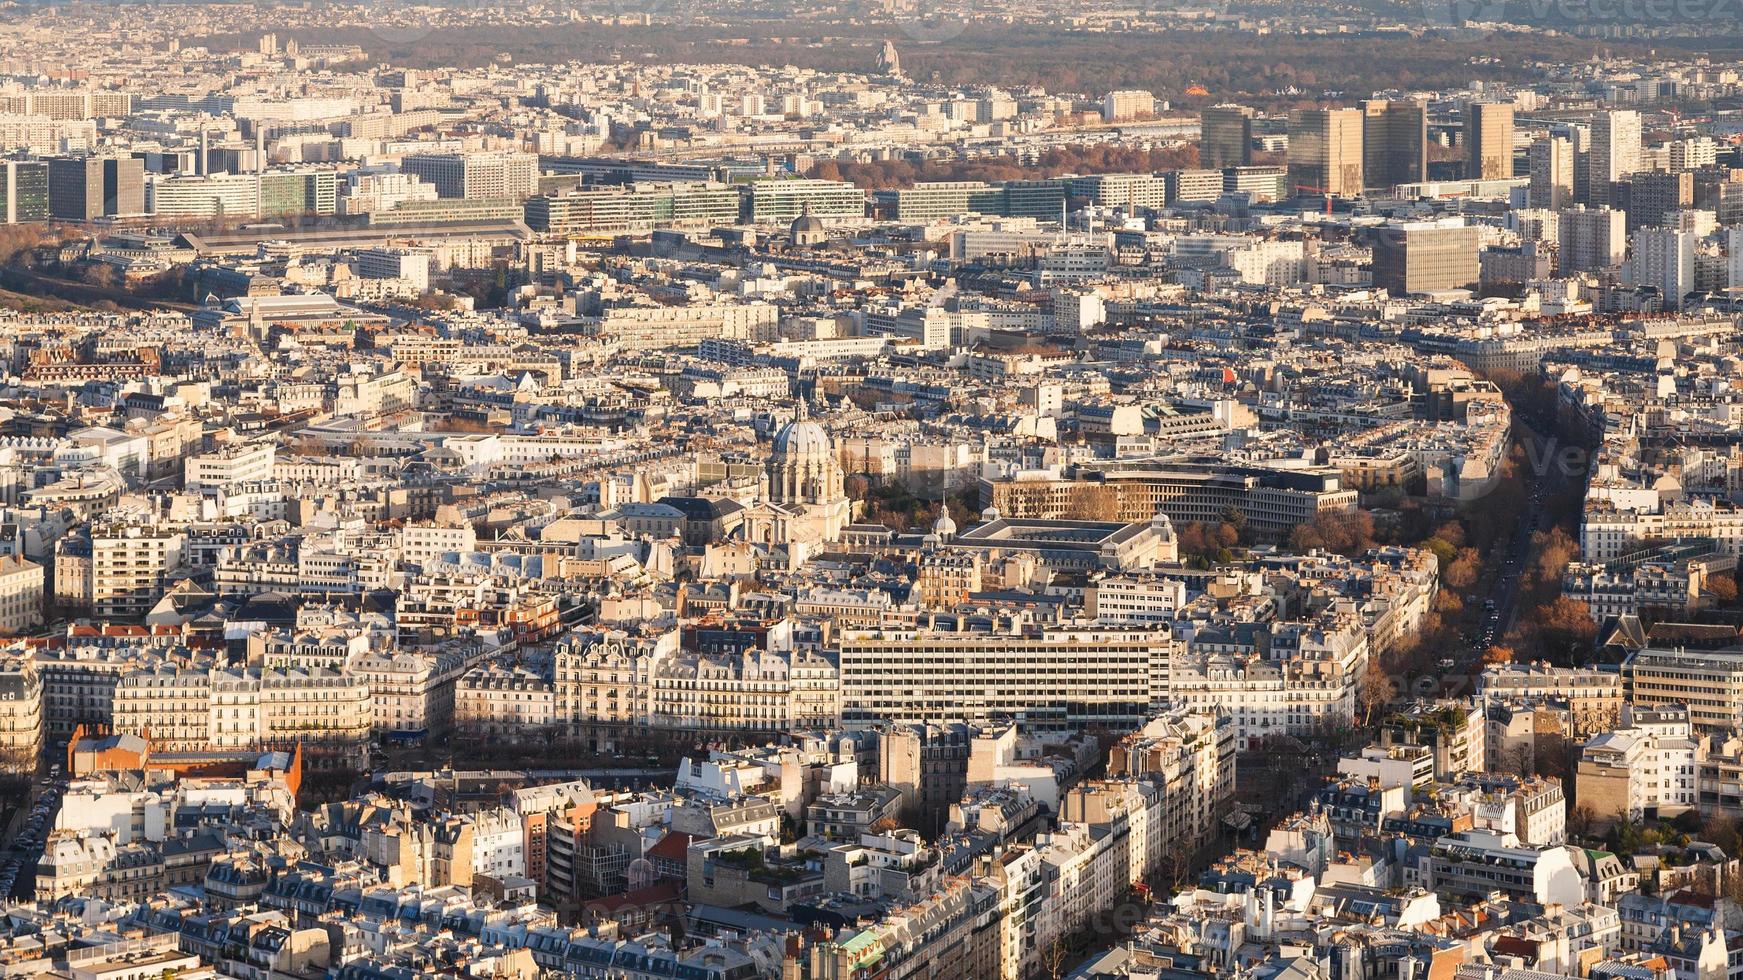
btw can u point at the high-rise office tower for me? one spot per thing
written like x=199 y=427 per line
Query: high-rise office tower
x=84 y=188
x=1552 y=172
x=1225 y=136
x=1325 y=151
x=23 y=191
x=1425 y=257
x=1394 y=143
x=75 y=188
x=1488 y=141
x=123 y=185
x=1734 y=252
x=1614 y=153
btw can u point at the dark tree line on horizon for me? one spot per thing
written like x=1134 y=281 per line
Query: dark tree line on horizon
x=1273 y=71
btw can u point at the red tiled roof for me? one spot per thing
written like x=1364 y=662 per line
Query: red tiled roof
x=674 y=846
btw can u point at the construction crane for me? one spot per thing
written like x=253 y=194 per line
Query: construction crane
x=1317 y=190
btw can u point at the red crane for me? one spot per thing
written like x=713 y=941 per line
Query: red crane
x=1317 y=190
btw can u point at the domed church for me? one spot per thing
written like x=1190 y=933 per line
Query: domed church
x=807 y=230
x=803 y=487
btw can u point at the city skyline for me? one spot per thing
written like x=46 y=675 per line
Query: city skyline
x=756 y=491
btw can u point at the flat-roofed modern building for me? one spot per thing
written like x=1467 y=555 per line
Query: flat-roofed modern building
x=477 y=176
x=1063 y=679
x=1225 y=136
x=1325 y=152
x=1394 y=143
x=23 y=191
x=203 y=196
x=633 y=208
x=1551 y=166
x=1275 y=501
x=1488 y=140
x=299 y=191
x=1426 y=258
x=84 y=188
x=1710 y=682
x=1073 y=545
x=1119 y=190
x=783 y=200
x=950 y=198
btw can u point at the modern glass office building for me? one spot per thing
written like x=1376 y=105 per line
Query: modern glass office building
x=23 y=191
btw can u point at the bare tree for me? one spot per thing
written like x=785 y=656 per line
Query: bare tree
x=1581 y=820
x=1377 y=690
x=1054 y=959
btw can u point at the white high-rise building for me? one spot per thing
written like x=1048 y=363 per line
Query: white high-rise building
x=1592 y=238
x=1127 y=104
x=1552 y=172
x=1614 y=153
x=1693 y=153
x=131 y=560
x=1664 y=258
x=1734 y=258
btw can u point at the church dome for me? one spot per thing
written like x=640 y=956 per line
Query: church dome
x=807 y=229
x=802 y=438
x=944 y=527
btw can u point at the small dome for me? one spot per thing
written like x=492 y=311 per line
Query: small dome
x=1160 y=523
x=944 y=527
x=990 y=515
x=808 y=229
